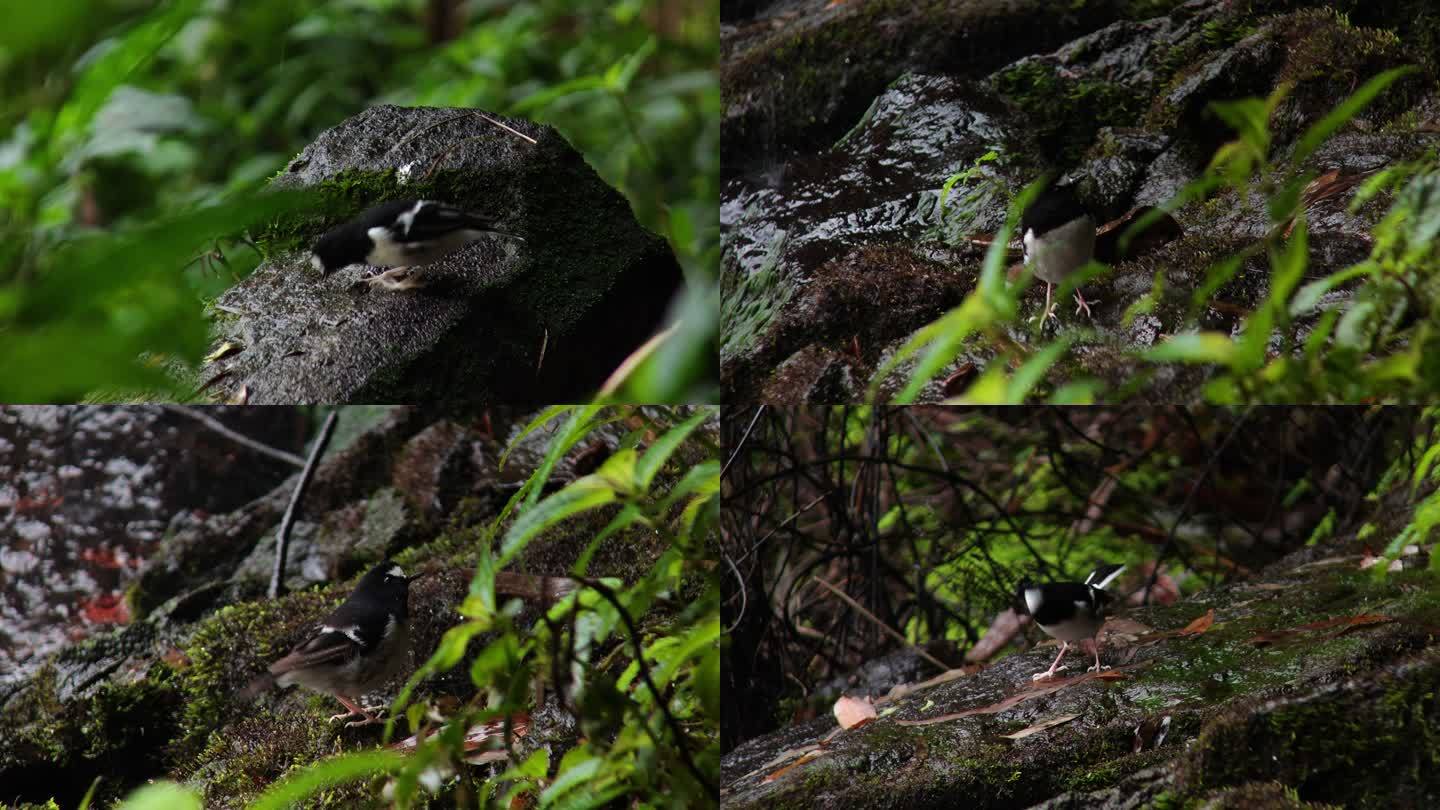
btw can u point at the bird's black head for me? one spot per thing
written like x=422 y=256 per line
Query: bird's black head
x=386 y=582
x=340 y=247
x=1054 y=207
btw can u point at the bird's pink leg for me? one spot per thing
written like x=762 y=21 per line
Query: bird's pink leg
x=1051 y=671
x=1095 y=646
x=349 y=704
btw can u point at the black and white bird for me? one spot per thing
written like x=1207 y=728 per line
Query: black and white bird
x=1070 y=611
x=1059 y=236
x=402 y=235
x=358 y=647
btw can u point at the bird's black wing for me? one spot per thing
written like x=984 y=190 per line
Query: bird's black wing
x=435 y=220
x=353 y=627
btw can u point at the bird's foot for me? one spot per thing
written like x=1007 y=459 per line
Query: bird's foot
x=1081 y=305
x=1097 y=668
x=1048 y=314
x=343 y=716
x=397 y=278
x=370 y=720
x=1040 y=676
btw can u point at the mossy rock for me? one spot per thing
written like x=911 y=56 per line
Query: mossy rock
x=544 y=320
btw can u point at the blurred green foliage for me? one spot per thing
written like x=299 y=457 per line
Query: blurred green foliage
x=126 y=116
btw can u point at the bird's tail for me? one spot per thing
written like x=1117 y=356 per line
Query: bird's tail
x=260 y=684
x=486 y=224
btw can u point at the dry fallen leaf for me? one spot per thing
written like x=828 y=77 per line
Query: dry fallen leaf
x=225 y=349
x=1200 y=625
x=1040 y=726
x=1345 y=623
x=851 y=712
x=804 y=758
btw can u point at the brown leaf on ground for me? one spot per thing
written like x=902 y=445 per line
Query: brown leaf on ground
x=1200 y=625
x=851 y=712
x=1040 y=726
x=785 y=756
x=1345 y=623
x=1002 y=630
x=804 y=758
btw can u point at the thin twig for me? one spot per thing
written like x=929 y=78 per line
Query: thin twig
x=895 y=634
x=416 y=133
x=741 y=443
x=282 y=539
x=239 y=438
x=506 y=127
x=744 y=600
x=802 y=510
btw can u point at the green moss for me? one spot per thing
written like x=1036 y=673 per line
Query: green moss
x=1066 y=113
x=233 y=646
x=118 y=731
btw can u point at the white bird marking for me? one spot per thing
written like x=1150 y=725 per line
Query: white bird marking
x=1029 y=243
x=316 y=263
x=1108 y=579
x=390 y=625
x=1082 y=605
x=352 y=632
x=395 y=571
x=1033 y=600
x=408 y=218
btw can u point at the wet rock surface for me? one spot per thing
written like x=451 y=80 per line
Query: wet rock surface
x=544 y=320
x=830 y=206
x=86 y=495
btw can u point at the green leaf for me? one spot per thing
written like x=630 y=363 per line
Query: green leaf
x=703 y=477
x=533 y=425
x=1321 y=130
x=1309 y=295
x=578 y=425
x=706 y=683
x=1195 y=347
x=577 y=768
x=161 y=796
x=623 y=520
x=136 y=47
x=619 y=471
x=1033 y=371
x=452 y=645
x=1288 y=264
x=587 y=493
x=324 y=774
x=660 y=451
x=632 y=65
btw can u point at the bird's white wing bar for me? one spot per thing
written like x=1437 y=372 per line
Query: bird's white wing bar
x=407 y=219
x=352 y=632
x=1105 y=574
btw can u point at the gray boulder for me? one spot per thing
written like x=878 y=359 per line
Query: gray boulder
x=545 y=320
